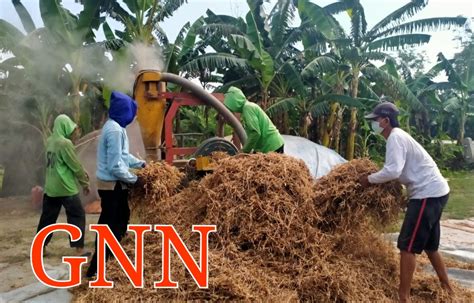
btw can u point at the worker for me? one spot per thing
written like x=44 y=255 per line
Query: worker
x=407 y=161
x=262 y=135
x=63 y=172
x=114 y=177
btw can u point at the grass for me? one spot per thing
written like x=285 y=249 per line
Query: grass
x=461 y=198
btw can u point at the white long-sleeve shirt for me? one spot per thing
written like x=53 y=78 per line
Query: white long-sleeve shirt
x=407 y=161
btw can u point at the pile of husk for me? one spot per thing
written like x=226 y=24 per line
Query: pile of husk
x=161 y=181
x=343 y=204
x=280 y=236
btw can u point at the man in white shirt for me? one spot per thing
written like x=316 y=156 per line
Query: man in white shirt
x=407 y=161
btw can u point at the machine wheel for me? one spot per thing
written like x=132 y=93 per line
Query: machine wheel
x=215 y=144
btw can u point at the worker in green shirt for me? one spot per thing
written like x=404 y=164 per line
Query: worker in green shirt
x=262 y=135
x=63 y=172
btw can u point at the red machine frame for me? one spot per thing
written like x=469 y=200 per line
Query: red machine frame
x=176 y=101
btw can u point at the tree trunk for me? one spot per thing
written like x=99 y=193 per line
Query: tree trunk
x=321 y=128
x=313 y=131
x=305 y=121
x=337 y=130
x=350 y=146
x=264 y=99
x=286 y=126
x=76 y=101
x=328 y=131
x=462 y=123
x=281 y=122
x=425 y=123
x=220 y=126
x=408 y=126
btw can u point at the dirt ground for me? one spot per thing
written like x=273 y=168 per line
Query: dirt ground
x=18 y=222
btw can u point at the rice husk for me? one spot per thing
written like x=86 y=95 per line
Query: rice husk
x=280 y=236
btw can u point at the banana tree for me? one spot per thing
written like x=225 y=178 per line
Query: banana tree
x=333 y=76
x=189 y=54
x=432 y=113
x=58 y=60
x=72 y=32
x=251 y=46
x=265 y=41
x=302 y=99
x=460 y=102
x=141 y=18
x=388 y=34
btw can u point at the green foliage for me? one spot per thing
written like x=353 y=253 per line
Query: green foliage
x=260 y=53
x=24 y=15
x=400 y=41
x=199 y=121
x=314 y=15
x=448 y=156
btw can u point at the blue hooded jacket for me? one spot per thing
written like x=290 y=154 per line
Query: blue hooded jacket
x=113 y=158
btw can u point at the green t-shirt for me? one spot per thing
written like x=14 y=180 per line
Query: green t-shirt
x=262 y=135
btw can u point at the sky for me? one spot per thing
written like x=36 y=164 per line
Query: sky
x=375 y=10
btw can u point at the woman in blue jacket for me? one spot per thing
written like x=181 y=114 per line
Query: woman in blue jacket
x=113 y=169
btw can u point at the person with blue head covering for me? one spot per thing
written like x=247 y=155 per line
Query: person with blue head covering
x=113 y=169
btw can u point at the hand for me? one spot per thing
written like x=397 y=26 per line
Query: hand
x=364 y=181
x=139 y=183
x=86 y=191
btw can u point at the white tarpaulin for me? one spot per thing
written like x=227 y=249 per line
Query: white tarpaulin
x=319 y=159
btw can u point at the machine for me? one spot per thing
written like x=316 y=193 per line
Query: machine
x=153 y=138
x=157 y=112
